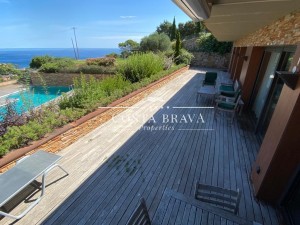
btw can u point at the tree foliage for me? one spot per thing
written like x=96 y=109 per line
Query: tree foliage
x=190 y=28
x=208 y=43
x=128 y=46
x=165 y=27
x=38 y=61
x=155 y=42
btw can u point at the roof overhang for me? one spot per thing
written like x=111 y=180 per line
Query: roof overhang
x=196 y=9
x=230 y=20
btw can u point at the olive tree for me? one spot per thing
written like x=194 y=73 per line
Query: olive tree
x=155 y=42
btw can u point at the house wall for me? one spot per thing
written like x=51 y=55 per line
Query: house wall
x=279 y=154
x=285 y=31
x=58 y=79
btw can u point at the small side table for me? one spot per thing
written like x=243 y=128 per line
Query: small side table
x=208 y=91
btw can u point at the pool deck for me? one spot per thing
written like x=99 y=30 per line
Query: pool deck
x=8 y=89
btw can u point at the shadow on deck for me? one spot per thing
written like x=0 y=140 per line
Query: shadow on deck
x=180 y=145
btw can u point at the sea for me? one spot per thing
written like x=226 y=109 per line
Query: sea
x=21 y=57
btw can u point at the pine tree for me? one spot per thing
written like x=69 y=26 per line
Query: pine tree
x=173 y=30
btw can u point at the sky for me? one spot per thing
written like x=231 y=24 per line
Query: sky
x=98 y=23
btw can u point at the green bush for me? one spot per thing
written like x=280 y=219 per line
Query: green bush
x=96 y=69
x=50 y=67
x=184 y=57
x=113 y=55
x=106 y=61
x=70 y=114
x=208 y=43
x=18 y=136
x=57 y=65
x=155 y=42
x=140 y=66
x=9 y=69
x=39 y=61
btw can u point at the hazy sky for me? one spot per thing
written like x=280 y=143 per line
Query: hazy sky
x=99 y=23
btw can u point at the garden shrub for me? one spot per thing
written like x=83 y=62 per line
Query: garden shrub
x=106 y=61
x=184 y=57
x=50 y=67
x=38 y=61
x=9 y=69
x=139 y=66
x=113 y=55
x=57 y=65
x=94 y=69
x=208 y=43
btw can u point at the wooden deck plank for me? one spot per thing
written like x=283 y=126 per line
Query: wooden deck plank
x=170 y=216
x=128 y=200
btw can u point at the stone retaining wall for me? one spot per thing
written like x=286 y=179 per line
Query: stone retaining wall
x=211 y=60
x=59 y=79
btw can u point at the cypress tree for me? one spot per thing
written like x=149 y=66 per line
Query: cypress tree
x=177 y=44
x=173 y=30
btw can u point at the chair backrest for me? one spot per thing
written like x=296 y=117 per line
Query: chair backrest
x=210 y=77
x=140 y=215
x=236 y=85
x=220 y=197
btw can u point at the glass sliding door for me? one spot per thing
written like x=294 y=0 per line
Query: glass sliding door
x=270 y=88
x=274 y=94
x=264 y=89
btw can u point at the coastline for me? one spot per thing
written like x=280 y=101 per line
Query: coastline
x=21 y=57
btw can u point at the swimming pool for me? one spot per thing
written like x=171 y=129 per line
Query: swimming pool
x=32 y=97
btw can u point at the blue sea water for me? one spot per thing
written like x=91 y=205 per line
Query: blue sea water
x=22 y=57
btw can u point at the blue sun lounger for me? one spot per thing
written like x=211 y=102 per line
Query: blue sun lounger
x=23 y=174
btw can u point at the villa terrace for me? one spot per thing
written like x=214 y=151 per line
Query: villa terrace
x=121 y=161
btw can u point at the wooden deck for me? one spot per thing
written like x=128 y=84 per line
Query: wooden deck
x=118 y=163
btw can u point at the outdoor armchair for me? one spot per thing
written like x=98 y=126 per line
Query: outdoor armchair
x=229 y=90
x=228 y=104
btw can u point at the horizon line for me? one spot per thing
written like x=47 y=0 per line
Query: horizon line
x=59 y=48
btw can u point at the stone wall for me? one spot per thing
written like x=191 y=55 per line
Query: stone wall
x=285 y=31
x=58 y=79
x=211 y=60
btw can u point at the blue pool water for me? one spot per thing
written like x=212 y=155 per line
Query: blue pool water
x=33 y=97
